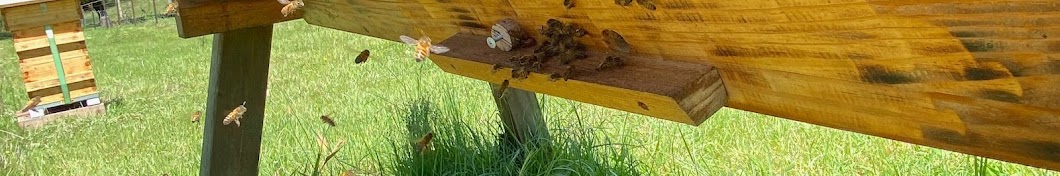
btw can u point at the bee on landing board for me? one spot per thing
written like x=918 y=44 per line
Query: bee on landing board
x=424 y=47
x=290 y=6
x=33 y=102
x=236 y=114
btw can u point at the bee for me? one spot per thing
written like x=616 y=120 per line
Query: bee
x=616 y=42
x=623 y=2
x=496 y=67
x=568 y=4
x=568 y=73
x=609 y=62
x=171 y=8
x=290 y=6
x=33 y=102
x=195 y=116
x=347 y=173
x=236 y=114
x=327 y=120
x=648 y=4
x=424 y=142
x=503 y=88
x=520 y=73
x=642 y=105
x=554 y=77
x=361 y=58
x=424 y=47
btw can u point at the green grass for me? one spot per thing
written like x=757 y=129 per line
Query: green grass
x=152 y=80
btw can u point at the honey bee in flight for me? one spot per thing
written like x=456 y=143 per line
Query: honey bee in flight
x=236 y=114
x=290 y=7
x=424 y=47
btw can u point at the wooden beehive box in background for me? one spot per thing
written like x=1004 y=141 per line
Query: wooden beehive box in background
x=52 y=56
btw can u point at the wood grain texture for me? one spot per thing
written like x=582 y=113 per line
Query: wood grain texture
x=202 y=17
x=238 y=74
x=35 y=37
x=899 y=69
x=659 y=85
x=13 y=3
x=30 y=16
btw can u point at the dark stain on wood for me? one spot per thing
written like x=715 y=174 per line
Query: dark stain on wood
x=976 y=45
x=878 y=74
x=1054 y=46
x=643 y=106
x=999 y=95
x=945 y=135
x=459 y=10
x=1043 y=149
x=940 y=49
x=678 y=5
x=472 y=25
x=859 y=56
x=465 y=17
x=1055 y=66
x=726 y=51
x=964 y=34
x=976 y=73
x=444 y=1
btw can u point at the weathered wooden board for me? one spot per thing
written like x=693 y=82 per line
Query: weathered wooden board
x=27 y=22
x=12 y=3
x=202 y=17
x=978 y=77
x=676 y=91
x=30 y=15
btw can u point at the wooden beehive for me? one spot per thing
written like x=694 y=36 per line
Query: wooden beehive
x=52 y=54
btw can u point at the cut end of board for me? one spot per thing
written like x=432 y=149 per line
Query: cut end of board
x=677 y=91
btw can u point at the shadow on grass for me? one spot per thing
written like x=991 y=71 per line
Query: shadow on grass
x=460 y=148
x=5 y=35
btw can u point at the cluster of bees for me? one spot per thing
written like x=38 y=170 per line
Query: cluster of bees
x=561 y=43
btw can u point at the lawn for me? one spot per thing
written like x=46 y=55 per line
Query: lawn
x=153 y=80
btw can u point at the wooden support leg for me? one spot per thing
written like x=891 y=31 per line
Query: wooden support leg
x=238 y=73
x=521 y=115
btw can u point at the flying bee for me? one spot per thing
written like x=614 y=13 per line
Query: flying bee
x=503 y=88
x=347 y=173
x=362 y=57
x=33 y=102
x=327 y=120
x=195 y=116
x=290 y=6
x=236 y=114
x=424 y=142
x=424 y=47
x=171 y=8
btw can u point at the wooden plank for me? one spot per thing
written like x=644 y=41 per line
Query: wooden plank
x=29 y=16
x=44 y=54
x=38 y=43
x=55 y=94
x=875 y=67
x=47 y=59
x=95 y=110
x=71 y=65
x=38 y=34
x=202 y=17
x=54 y=82
x=521 y=115
x=238 y=74
x=643 y=82
x=13 y=3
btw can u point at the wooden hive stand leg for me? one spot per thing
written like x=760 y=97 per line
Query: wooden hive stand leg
x=521 y=115
x=238 y=72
